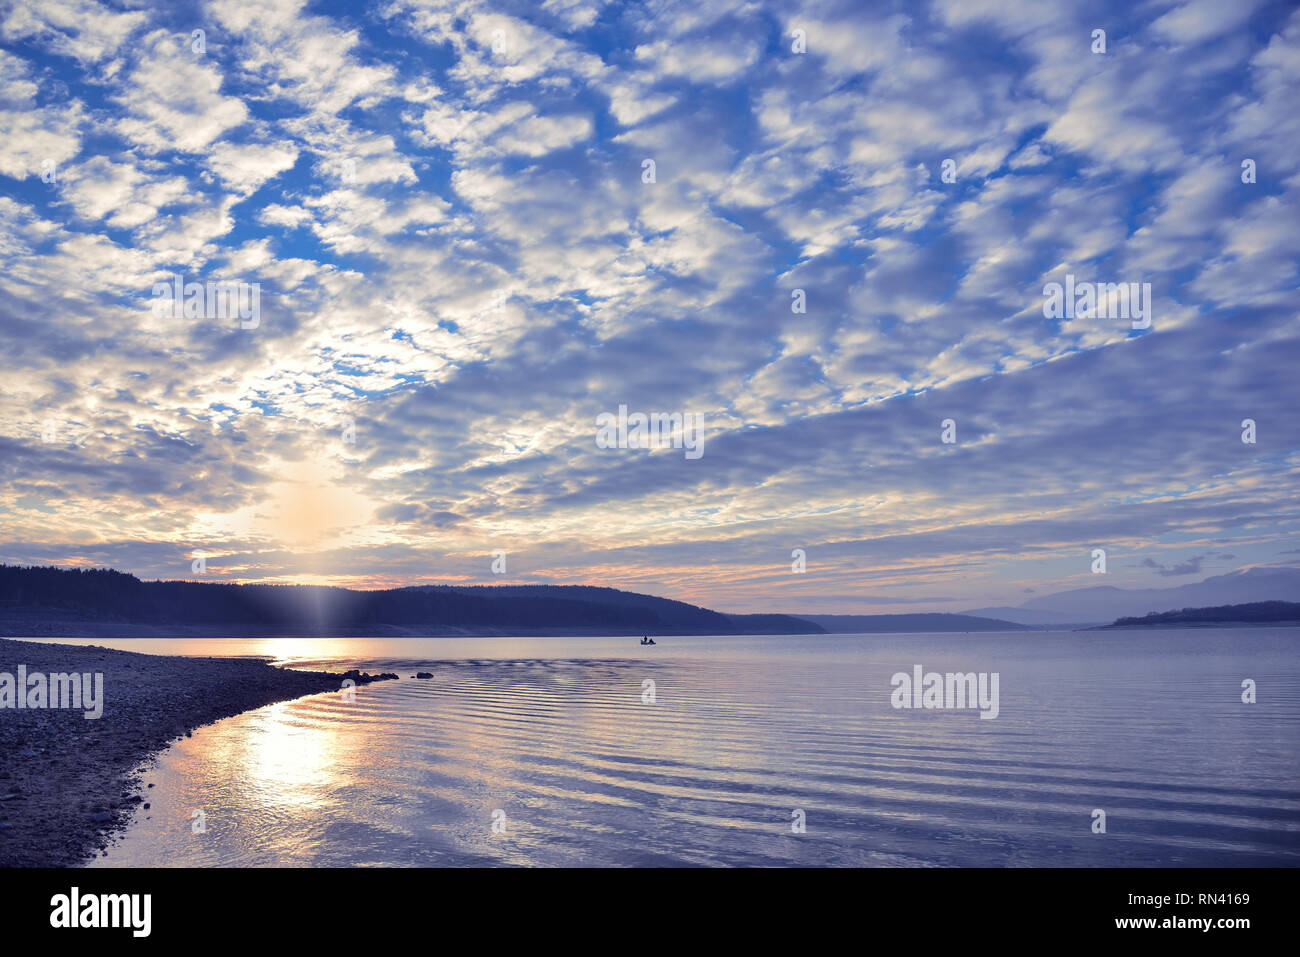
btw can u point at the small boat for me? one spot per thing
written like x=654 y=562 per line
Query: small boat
x=647 y=641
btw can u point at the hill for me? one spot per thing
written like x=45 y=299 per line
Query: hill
x=105 y=603
x=1251 y=613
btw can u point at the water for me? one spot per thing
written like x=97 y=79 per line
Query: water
x=1147 y=726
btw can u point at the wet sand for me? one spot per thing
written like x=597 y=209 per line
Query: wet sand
x=67 y=783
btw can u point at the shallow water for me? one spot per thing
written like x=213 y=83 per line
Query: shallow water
x=742 y=732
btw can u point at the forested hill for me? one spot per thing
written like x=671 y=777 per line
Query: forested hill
x=1250 y=613
x=103 y=602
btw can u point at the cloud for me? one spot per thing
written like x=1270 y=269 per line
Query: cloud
x=119 y=192
x=38 y=139
x=461 y=262
x=245 y=167
x=1191 y=566
x=83 y=29
x=1200 y=20
x=172 y=99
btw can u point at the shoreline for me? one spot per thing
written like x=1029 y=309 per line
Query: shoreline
x=68 y=784
x=1193 y=625
x=92 y=630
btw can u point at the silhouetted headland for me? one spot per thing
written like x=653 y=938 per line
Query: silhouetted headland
x=1250 y=613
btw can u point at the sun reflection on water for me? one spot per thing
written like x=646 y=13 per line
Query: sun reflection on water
x=289 y=754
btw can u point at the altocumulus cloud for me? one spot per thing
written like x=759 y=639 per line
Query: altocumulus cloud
x=464 y=259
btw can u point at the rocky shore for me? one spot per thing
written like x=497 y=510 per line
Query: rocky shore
x=66 y=783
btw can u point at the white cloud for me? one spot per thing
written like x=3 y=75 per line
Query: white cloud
x=244 y=167
x=1199 y=20
x=32 y=136
x=100 y=188
x=83 y=29
x=173 y=100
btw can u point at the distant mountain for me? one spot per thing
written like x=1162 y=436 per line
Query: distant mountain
x=1105 y=603
x=1252 y=613
x=857 y=624
x=105 y=603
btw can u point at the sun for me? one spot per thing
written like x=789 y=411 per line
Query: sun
x=312 y=512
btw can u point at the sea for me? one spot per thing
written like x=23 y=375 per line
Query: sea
x=1109 y=749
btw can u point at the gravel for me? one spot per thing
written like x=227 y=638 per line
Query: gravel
x=67 y=784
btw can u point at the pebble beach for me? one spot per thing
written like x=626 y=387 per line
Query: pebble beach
x=67 y=784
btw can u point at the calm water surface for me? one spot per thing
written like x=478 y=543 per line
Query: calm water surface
x=742 y=732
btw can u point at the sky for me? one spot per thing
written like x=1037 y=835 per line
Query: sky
x=823 y=230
